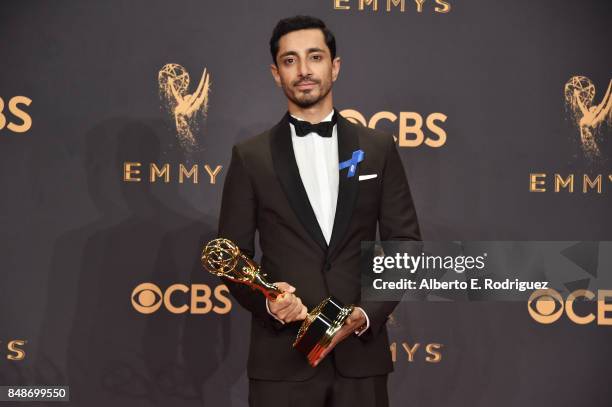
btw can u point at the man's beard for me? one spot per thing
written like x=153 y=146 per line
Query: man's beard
x=307 y=100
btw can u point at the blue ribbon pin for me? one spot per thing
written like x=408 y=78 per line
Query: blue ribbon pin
x=352 y=163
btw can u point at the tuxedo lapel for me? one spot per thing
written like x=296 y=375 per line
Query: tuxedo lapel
x=288 y=174
x=348 y=188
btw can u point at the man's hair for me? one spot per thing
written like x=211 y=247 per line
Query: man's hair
x=290 y=24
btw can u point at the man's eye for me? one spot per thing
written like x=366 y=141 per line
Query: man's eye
x=316 y=57
x=289 y=61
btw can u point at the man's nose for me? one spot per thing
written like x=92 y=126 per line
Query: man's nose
x=304 y=68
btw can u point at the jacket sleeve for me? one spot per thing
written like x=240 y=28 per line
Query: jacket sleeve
x=397 y=220
x=238 y=222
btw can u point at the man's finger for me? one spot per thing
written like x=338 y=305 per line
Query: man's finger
x=303 y=313
x=282 y=302
x=285 y=287
x=295 y=311
x=282 y=314
x=298 y=308
x=277 y=306
x=285 y=298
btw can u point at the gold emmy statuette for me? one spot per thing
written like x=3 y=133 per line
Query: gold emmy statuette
x=223 y=258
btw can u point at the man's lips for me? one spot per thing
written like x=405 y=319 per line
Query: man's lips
x=305 y=85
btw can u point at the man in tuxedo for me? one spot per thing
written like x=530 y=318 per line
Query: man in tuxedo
x=315 y=185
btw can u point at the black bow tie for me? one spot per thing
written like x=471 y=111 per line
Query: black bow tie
x=323 y=129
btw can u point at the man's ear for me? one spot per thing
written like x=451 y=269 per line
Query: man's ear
x=275 y=75
x=336 y=68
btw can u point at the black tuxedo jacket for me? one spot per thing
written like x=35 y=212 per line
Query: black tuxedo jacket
x=263 y=191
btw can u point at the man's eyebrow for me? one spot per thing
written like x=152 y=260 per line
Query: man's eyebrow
x=284 y=54
x=309 y=51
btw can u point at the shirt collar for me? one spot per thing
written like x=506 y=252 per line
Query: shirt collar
x=325 y=119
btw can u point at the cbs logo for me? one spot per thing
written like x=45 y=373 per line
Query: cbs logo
x=197 y=299
x=15 y=110
x=547 y=306
x=410 y=126
x=15 y=349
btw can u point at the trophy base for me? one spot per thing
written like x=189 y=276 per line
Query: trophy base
x=320 y=326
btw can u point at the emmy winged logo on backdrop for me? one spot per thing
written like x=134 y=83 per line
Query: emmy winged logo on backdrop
x=186 y=109
x=579 y=94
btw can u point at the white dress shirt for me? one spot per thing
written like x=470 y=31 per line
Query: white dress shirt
x=317 y=161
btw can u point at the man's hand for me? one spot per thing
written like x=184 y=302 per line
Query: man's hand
x=288 y=307
x=352 y=323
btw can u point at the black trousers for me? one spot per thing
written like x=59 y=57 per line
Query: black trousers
x=325 y=389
